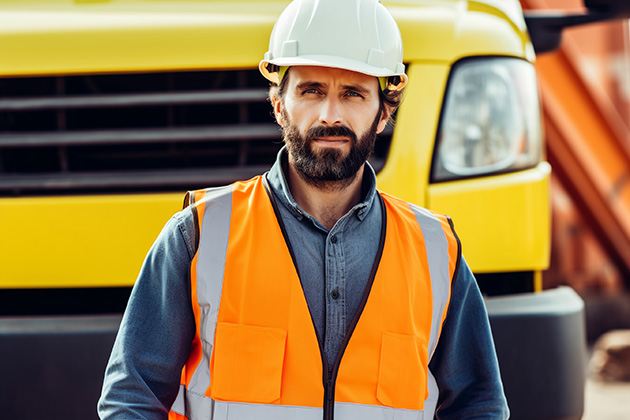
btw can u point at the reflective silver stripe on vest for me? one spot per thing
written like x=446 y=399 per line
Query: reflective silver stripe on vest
x=192 y=405
x=213 y=242
x=349 y=411
x=436 y=245
x=430 y=404
x=198 y=407
x=201 y=407
x=213 y=239
x=224 y=410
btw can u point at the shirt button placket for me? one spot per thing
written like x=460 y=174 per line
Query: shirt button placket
x=335 y=310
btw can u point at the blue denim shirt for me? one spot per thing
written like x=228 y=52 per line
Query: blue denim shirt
x=153 y=342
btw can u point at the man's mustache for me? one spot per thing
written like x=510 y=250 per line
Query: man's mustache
x=336 y=131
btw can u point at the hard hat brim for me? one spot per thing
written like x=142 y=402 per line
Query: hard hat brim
x=332 y=62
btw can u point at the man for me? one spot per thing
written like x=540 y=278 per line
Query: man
x=305 y=293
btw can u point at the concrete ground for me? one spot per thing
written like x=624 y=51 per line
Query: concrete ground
x=607 y=401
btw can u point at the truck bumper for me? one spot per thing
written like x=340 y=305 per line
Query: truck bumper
x=541 y=346
x=53 y=367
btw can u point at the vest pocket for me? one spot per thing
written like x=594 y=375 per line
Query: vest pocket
x=402 y=376
x=247 y=363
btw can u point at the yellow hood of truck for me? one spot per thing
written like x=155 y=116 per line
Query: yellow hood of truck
x=100 y=36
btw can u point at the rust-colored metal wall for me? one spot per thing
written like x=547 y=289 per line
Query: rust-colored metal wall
x=586 y=103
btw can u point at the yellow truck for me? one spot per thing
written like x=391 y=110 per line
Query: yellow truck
x=111 y=109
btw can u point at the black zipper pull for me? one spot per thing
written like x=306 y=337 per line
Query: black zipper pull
x=329 y=410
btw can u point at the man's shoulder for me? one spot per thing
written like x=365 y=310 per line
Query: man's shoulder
x=415 y=208
x=194 y=198
x=204 y=195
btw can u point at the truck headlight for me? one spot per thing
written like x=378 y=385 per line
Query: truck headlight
x=491 y=120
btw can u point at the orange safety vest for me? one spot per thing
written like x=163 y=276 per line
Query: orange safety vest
x=256 y=354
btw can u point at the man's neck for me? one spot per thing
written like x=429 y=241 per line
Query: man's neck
x=326 y=202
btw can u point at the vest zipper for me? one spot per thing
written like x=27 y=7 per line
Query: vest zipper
x=329 y=400
x=330 y=377
x=327 y=376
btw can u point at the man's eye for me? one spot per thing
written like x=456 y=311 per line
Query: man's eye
x=307 y=91
x=354 y=94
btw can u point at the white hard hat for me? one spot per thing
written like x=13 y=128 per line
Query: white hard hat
x=357 y=35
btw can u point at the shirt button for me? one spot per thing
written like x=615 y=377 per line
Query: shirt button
x=333 y=239
x=334 y=294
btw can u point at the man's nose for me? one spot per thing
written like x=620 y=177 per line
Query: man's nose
x=330 y=112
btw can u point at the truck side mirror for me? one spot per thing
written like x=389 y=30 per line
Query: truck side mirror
x=545 y=27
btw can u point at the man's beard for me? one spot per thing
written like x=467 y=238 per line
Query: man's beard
x=328 y=168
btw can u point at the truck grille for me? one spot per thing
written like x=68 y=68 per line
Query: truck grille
x=137 y=132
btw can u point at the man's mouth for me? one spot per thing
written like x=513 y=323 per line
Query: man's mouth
x=331 y=141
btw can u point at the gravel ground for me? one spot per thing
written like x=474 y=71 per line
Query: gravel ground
x=607 y=401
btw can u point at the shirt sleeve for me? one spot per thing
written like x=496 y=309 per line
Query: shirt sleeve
x=465 y=364
x=153 y=342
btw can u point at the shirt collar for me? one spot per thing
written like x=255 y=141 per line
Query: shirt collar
x=278 y=182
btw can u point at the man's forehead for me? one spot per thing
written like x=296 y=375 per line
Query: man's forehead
x=330 y=76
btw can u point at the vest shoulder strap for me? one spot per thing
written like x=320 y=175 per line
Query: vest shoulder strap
x=190 y=199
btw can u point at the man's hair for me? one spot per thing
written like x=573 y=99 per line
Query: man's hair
x=388 y=98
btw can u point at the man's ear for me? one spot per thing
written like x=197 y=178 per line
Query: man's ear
x=276 y=102
x=386 y=112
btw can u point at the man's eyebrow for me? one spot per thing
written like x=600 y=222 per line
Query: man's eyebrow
x=309 y=84
x=357 y=88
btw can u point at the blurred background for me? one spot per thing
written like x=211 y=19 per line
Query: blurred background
x=590 y=195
